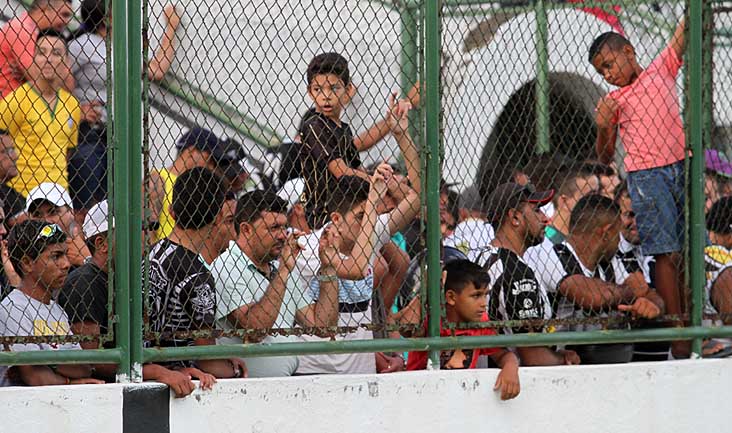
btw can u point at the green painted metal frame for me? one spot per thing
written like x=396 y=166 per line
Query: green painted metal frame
x=127 y=109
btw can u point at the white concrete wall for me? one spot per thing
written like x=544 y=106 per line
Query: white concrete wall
x=688 y=396
x=61 y=409
x=670 y=397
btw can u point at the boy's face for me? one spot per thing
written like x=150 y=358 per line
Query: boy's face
x=50 y=55
x=329 y=94
x=617 y=67
x=51 y=267
x=349 y=225
x=469 y=304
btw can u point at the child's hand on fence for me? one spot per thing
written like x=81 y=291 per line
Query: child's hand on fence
x=570 y=357
x=328 y=248
x=382 y=175
x=606 y=113
x=398 y=115
x=180 y=382
x=207 y=380
x=171 y=16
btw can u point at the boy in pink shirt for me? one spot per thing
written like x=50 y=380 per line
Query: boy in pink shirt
x=645 y=112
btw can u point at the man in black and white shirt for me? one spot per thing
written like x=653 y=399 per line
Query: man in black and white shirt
x=571 y=274
x=182 y=295
x=515 y=293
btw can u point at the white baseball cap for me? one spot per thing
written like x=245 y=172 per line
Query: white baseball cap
x=51 y=192
x=97 y=220
x=291 y=191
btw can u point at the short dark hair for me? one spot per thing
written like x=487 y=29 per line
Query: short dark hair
x=568 y=184
x=347 y=194
x=50 y=33
x=462 y=272
x=614 y=41
x=30 y=238
x=329 y=63
x=592 y=211
x=250 y=206
x=93 y=14
x=620 y=191
x=198 y=196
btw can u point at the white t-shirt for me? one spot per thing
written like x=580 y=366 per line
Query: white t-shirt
x=21 y=315
x=471 y=237
x=349 y=292
x=630 y=259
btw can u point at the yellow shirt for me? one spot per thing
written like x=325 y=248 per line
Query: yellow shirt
x=42 y=135
x=165 y=220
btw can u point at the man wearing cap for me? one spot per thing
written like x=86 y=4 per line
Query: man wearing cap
x=229 y=158
x=291 y=192
x=571 y=274
x=51 y=202
x=198 y=147
x=515 y=293
x=84 y=294
x=473 y=232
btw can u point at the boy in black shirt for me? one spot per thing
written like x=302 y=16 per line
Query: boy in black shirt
x=515 y=294
x=328 y=149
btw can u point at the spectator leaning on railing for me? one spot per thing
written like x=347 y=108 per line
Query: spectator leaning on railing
x=38 y=252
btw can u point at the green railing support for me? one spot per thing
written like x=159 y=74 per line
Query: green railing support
x=120 y=193
x=432 y=126
x=431 y=343
x=410 y=68
x=134 y=178
x=46 y=357
x=542 y=79
x=696 y=173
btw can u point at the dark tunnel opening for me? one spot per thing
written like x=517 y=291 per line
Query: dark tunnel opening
x=511 y=145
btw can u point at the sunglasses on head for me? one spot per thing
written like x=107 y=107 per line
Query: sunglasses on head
x=47 y=231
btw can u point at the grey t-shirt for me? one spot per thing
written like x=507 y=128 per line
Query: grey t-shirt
x=88 y=54
x=21 y=315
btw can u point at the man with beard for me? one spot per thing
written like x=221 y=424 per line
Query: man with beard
x=581 y=288
x=256 y=289
x=515 y=294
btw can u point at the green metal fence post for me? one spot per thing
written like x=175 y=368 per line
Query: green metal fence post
x=134 y=178
x=542 y=79
x=695 y=125
x=120 y=192
x=409 y=66
x=432 y=126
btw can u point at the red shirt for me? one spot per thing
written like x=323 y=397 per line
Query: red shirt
x=469 y=357
x=17 y=47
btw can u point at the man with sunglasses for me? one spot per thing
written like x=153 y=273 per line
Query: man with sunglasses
x=515 y=293
x=38 y=252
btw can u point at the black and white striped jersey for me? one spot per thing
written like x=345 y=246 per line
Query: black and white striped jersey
x=182 y=296
x=515 y=293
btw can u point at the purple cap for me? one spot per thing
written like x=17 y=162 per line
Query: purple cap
x=717 y=162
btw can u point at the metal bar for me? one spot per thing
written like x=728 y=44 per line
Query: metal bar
x=432 y=125
x=44 y=357
x=454 y=5
x=409 y=68
x=121 y=199
x=134 y=178
x=542 y=79
x=431 y=343
x=696 y=172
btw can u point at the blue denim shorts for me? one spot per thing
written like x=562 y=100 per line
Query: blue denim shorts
x=659 y=197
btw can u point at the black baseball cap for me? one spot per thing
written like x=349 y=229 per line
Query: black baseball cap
x=229 y=157
x=719 y=217
x=510 y=195
x=200 y=138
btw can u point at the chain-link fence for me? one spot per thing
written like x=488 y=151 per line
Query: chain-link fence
x=310 y=169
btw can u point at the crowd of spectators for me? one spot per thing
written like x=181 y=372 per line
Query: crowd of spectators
x=331 y=248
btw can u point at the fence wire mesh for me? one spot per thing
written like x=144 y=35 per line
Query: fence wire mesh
x=283 y=177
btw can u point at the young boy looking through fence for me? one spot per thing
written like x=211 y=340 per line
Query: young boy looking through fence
x=645 y=112
x=466 y=293
x=329 y=150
